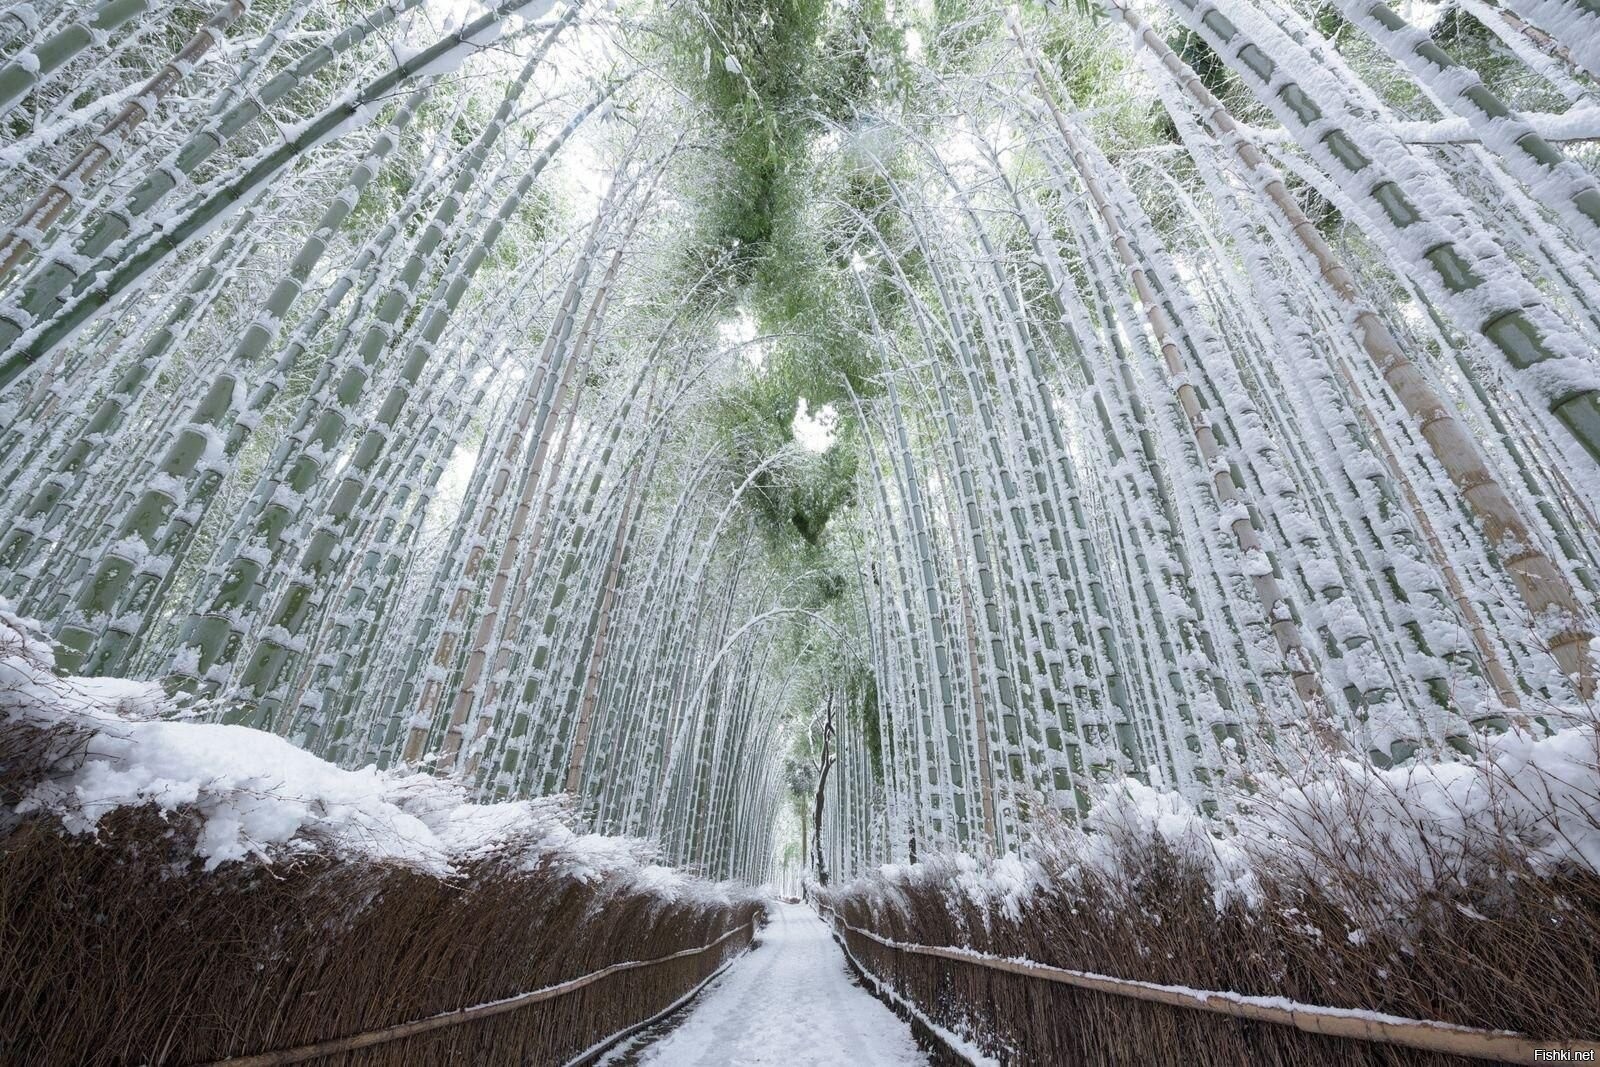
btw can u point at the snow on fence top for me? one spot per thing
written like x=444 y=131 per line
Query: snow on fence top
x=1370 y=837
x=255 y=794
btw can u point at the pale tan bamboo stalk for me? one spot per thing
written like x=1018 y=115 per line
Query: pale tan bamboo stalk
x=591 y=681
x=467 y=688
x=577 y=360
x=1297 y=657
x=582 y=348
x=1540 y=40
x=1541 y=584
x=445 y=648
x=1505 y=689
x=58 y=196
x=519 y=596
x=991 y=835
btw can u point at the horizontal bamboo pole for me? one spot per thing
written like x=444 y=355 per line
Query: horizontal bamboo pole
x=597 y=1051
x=1498 y=1045
x=301 y=1053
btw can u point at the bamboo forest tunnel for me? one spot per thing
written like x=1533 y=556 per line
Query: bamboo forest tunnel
x=810 y=435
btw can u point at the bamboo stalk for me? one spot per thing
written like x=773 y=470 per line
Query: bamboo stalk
x=1539 y=581
x=29 y=229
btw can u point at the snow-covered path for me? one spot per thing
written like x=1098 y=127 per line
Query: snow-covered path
x=791 y=1002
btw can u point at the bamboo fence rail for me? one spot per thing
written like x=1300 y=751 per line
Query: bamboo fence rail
x=1427 y=1035
x=301 y=1053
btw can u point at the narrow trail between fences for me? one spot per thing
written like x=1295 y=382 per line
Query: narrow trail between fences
x=791 y=1001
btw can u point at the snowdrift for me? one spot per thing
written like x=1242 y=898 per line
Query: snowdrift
x=182 y=892
x=1466 y=893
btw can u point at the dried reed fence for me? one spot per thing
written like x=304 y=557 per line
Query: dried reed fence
x=121 y=950
x=1524 y=957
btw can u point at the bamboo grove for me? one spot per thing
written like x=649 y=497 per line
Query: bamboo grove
x=867 y=423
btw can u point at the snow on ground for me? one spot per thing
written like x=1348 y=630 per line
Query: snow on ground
x=790 y=1002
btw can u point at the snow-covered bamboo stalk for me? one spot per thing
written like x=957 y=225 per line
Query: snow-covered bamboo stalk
x=1298 y=659
x=1542 y=585
x=29 y=230
x=30 y=68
